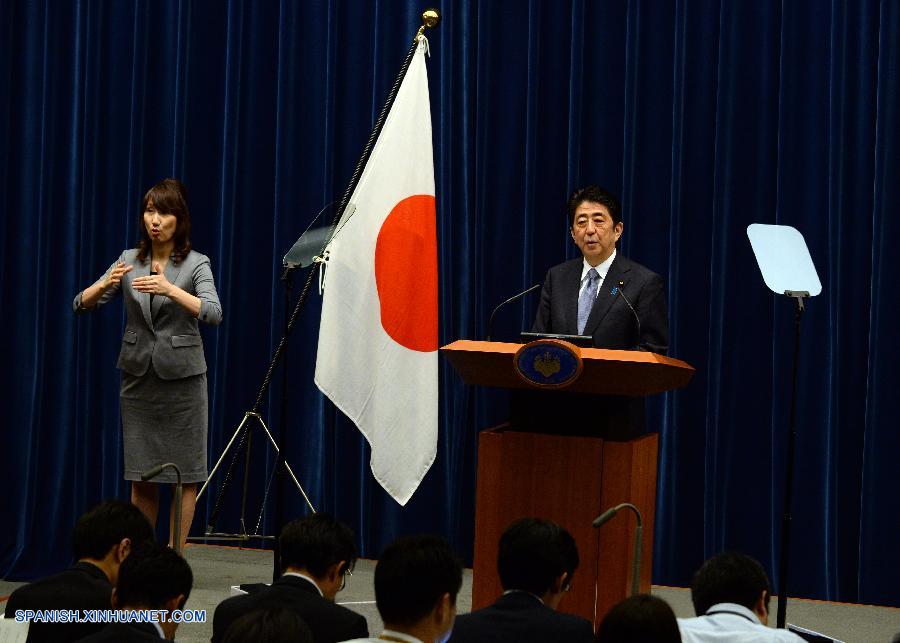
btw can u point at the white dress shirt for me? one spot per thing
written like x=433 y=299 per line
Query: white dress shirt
x=731 y=623
x=602 y=269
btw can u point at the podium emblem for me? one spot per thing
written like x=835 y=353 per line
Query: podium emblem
x=548 y=363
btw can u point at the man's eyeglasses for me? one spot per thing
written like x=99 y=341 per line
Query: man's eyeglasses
x=348 y=571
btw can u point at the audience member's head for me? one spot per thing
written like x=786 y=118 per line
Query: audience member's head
x=107 y=533
x=269 y=625
x=639 y=619
x=154 y=577
x=537 y=556
x=320 y=547
x=731 y=578
x=417 y=579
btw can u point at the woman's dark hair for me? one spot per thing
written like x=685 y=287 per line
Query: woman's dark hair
x=169 y=196
x=639 y=619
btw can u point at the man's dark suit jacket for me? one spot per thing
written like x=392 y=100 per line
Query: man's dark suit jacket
x=327 y=621
x=611 y=322
x=82 y=587
x=124 y=633
x=520 y=618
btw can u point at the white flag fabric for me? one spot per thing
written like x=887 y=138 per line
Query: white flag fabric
x=378 y=336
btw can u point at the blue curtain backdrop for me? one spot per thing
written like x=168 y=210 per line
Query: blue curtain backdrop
x=705 y=115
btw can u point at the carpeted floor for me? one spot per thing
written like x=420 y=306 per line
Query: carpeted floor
x=216 y=569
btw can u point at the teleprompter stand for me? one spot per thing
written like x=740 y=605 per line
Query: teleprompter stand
x=787 y=269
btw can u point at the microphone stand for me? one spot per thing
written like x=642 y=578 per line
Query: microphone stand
x=508 y=301
x=608 y=515
x=176 y=528
x=787 y=518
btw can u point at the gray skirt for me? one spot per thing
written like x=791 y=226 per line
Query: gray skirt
x=164 y=421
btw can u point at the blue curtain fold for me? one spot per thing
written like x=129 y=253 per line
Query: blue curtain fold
x=705 y=115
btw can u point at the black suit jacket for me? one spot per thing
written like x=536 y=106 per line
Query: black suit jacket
x=82 y=587
x=520 y=618
x=327 y=621
x=125 y=633
x=611 y=322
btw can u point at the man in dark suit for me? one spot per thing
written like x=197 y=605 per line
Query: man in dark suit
x=103 y=538
x=154 y=581
x=618 y=302
x=317 y=553
x=416 y=582
x=536 y=561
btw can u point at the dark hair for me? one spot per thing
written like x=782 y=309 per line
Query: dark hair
x=106 y=525
x=169 y=196
x=594 y=194
x=411 y=576
x=152 y=575
x=533 y=553
x=269 y=625
x=639 y=619
x=317 y=542
x=728 y=578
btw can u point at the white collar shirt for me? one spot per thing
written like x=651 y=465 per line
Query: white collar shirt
x=305 y=577
x=602 y=269
x=731 y=623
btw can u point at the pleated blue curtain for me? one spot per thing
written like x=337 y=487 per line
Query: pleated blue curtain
x=704 y=115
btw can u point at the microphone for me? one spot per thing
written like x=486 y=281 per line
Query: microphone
x=176 y=500
x=605 y=517
x=508 y=301
x=618 y=290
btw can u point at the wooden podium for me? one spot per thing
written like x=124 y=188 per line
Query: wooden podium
x=569 y=478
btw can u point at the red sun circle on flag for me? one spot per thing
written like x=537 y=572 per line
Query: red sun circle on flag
x=406 y=273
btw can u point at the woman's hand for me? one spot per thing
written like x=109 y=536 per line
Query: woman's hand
x=153 y=284
x=115 y=275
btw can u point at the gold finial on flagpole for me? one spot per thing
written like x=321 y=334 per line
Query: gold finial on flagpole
x=430 y=18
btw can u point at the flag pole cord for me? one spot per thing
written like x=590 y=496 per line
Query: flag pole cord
x=430 y=18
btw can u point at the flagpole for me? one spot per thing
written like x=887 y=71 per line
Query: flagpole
x=430 y=18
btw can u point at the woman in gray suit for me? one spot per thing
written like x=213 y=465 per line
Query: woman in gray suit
x=166 y=287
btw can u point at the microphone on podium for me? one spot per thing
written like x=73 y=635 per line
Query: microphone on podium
x=617 y=290
x=508 y=301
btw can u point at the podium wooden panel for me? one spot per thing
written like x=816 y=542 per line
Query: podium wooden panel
x=568 y=479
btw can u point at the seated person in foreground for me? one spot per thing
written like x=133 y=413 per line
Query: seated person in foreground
x=730 y=593
x=536 y=561
x=590 y=295
x=639 y=619
x=317 y=553
x=103 y=538
x=417 y=579
x=153 y=577
x=272 y=625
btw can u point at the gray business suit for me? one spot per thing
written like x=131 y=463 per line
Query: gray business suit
x=163 y=395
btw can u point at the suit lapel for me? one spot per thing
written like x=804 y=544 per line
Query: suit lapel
x=142 y=270
x=172 y=271
x=571 y=283
x=618 y=272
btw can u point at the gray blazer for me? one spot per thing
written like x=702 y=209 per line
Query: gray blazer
x=170 y=336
